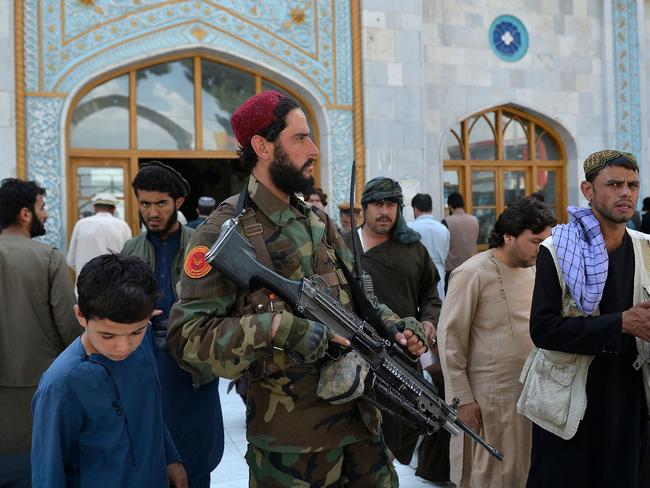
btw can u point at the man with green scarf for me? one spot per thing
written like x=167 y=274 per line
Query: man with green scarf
x=404 y=278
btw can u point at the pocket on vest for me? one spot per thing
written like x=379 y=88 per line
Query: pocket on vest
x=549 y=390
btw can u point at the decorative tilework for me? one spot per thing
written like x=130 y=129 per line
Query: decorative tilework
x=342 y=155
x=626 y=72
x=308 y=41
x=31 y=39
x=297 y=34
x=44 y=156
x=343 y=62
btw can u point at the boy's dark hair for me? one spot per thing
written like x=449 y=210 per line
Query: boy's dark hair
x=455 y=200
x=524 y=214
x=285 y=105
x=15 y=195
x=157 y=176
x=118 y=288
x=422 y=202
x=538 y=195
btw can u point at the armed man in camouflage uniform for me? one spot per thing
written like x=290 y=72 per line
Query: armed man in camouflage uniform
x=295 y=438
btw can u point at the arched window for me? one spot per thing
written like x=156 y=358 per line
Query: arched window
x=499 y=155
x=176 y=110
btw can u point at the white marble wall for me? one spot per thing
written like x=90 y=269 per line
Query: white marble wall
x=393 y=53
x=7 y=91
x=428 y=64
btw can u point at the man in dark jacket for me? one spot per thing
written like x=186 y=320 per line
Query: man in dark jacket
x=404 y=279
x=193 y=416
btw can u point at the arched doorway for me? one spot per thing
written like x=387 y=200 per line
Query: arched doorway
x=176 y=109
x=499 y=155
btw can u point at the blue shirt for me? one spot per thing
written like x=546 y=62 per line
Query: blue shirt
x=98 y=422
x=192 y=415
x=165 y=252
x=435 y=237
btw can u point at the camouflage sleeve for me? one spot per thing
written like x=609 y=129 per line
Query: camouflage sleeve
x=207 y=335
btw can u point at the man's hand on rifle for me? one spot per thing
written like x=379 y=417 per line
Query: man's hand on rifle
x=413 y=337
x=305 y=339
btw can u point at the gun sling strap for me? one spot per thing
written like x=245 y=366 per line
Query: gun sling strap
x=255 y=234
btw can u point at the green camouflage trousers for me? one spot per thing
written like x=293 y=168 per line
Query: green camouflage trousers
x=363 y=464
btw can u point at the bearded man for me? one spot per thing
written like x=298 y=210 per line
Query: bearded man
x=161 y=191
x=587 y=386
x=295 y=436
x=36 y=319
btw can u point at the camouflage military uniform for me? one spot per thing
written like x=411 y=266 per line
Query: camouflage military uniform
x=218 y=330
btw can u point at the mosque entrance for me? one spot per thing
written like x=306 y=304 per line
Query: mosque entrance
x=175 y=109
x=216 y=178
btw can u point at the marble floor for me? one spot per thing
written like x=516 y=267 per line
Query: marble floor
x=232 y=472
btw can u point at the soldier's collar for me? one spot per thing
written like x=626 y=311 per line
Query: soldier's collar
x=271 y=206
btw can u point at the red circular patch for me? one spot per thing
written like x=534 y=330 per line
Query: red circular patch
x=195 y=264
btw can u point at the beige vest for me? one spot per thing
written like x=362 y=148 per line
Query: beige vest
x=554 y=393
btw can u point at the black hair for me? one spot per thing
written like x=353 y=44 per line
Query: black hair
x=621 y=161
x=118 y=288
x=321 y=194
x=422 y=202
x=646 y=204
x=455 y=200
x=538 y=195
x=15 y=195
x=157 y=178
x=271 y=132
x=205 y=209
x=524 y=214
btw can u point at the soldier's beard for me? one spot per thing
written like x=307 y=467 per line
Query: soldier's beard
x=288 y=178
x=36 y=228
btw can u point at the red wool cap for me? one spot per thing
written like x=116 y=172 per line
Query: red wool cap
x=254 y=115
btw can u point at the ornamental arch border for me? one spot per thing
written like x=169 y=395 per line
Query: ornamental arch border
x=316 y=111
x=42 y=109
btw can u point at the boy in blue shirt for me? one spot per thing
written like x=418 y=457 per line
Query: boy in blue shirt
x=97 y=411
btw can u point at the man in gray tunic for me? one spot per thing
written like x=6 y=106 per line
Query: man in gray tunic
x=36 y=319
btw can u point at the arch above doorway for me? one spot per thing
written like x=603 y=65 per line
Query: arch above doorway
x=497 y=155
x=174 y=109
x=63 y=46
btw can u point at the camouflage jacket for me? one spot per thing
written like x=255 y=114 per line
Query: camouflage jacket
x=219 y=330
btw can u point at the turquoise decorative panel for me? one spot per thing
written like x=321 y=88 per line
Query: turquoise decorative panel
x=70 y=42
x=43 y=154
x=342 y=155
x=626 y=72
x=302 y=37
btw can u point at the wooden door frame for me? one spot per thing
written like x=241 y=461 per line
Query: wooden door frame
x=99 y=162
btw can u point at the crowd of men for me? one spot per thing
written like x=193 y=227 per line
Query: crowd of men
x=541 y=338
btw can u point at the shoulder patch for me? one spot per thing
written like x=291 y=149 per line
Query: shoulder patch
x=195 y=264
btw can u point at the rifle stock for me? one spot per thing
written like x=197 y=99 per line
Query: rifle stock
x=391 y=384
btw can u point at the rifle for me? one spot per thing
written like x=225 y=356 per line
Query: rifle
x=361 y=278
x=390 y=384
